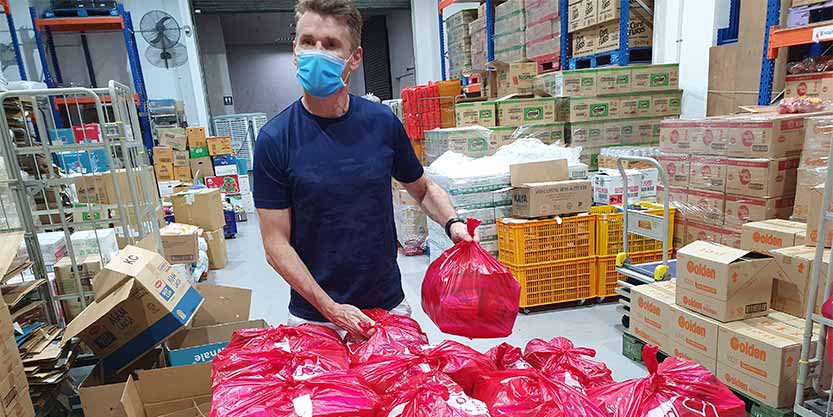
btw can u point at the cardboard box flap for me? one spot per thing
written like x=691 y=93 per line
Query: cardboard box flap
x=222 y=305
x=198 y=336
x=9 y=242
x=131 y=400
x=120 y=269
x=189 y=380
x=717 y=253
x=537 y=172
x=97 y=310
x=198 y=410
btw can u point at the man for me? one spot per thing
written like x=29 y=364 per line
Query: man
x=322 y=182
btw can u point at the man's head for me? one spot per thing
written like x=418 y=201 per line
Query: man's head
x=331 y=25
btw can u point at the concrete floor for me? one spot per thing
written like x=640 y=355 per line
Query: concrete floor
x=596 y=326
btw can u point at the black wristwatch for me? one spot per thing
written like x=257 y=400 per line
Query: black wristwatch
x=450 y=222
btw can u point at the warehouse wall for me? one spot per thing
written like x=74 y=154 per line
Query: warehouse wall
x=401 y=41
x=214 y=63
x=110 y=59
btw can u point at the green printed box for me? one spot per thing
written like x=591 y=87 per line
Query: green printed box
x=518 y=112
x=480 y=113
x=201 y=152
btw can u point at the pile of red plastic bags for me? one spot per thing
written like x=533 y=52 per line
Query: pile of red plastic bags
x=309 y=371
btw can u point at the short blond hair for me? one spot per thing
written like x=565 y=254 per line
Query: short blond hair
x=342 y=10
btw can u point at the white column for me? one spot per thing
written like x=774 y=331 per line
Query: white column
x=426 y=40
x=194 y=67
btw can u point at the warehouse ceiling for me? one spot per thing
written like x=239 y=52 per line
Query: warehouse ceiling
x=263 y=6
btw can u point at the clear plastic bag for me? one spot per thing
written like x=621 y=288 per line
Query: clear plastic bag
x=675 y=387
x=559 y=355
x=467 y=292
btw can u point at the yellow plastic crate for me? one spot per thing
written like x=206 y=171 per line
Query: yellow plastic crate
x=609 y=226
x=606 y=275
x=539 y=241
x=555 y=282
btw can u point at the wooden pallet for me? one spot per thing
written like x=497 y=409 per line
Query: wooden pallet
x=548 y=63
x=632 y=349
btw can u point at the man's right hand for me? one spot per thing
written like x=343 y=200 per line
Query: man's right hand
x=351 y=319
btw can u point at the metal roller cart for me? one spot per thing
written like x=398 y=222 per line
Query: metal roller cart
x=642 y=223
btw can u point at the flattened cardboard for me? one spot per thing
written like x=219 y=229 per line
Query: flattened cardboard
x=545 y=171
x=222 y=305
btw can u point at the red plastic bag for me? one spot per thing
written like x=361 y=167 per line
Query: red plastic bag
x=467 y=292
x=432 y=395
x=334 y=394
x=528 y=393
x=559 y=354
x=393 y=334
x=506 y=356
x=675 y=387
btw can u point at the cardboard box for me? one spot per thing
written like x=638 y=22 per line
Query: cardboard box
x=481 y=113
x=163 y=155
x=674 y=135
x=181 y=158
x=741 y=210
x=763 y=178
x=703 y=232
x=164 y=172
x=201 y=344
x=202 y=208
x=710 y=137
x=587 y=134
x=515 y=78
x=706 y=206
x=695 y=333
x=182 y=173
x=723 y=283
x=173 y=137
x=594 y=109
x=584 y=43
x=589 y=13
x=575 y=11
x=732 y=236
x=222 y=305
x=770 y=136
x=472 y=141
x=542 y=189
x=201 y=167
x=684 y=352
x=708 y=173
x=765 y=236
x=140 y=301
x=759 y=357
x=609 y=187
x=87 y=267
x=680 y=230
x=607 y=10
x=614 y=80
x=677 y=197
x=229 y=184
x=666 y=104
x=217 y=252
x=812 y=85
x=655 y=77
x=525 y=111
x=179 y=243
x=791 y=279
x=151 y=396
x=567 y=83
x=201 y=152
x=606 y=35
x=195 y=137
x=219 y=145
x=652 y=315
x=813 y=218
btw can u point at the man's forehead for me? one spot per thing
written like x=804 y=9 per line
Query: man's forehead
x=315 y=23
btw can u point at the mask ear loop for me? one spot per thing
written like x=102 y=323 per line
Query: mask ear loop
x=349 y=73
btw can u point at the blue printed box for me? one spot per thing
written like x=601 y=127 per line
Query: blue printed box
x=202 y=344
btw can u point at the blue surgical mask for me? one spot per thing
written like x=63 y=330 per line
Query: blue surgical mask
x=320 y=72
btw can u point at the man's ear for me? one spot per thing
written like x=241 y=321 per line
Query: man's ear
x=356 y=59
x=294 y=56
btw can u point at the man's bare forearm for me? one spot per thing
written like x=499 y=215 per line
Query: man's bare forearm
x=285 y=260
x=436 y=204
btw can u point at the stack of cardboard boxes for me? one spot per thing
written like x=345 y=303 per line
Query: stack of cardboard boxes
x=543 y=31
x=594 y=26
x=509 y=31
x=614 y=106
x=727 y=171
x=203 y=208
x=459 y=43
x=479 y=48
x=171 y=159
x=812 y=169
x=718 y=315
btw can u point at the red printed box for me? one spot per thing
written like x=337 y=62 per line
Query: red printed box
x=708 y=173
x=762 y=178
x=674 y=135
x=228 y=184
x=90 y=132
x=710 y=138
x=767 y=136
x=676 y=166
x=741 y=210
x=706 y=206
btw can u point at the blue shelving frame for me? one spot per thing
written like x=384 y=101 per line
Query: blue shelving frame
x=7 y=10
x=729 y=34
x=620 y=56
x=136 y=73
x=773 y=15
x=490 y=31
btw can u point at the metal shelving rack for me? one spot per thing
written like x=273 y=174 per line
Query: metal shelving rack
x=7 y=10
x=620 y=56
x=44 y=27
x=31 y=145
x=811 y=363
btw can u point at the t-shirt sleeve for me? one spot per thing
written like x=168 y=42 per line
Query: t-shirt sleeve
x=406 y=165
x=271 y=186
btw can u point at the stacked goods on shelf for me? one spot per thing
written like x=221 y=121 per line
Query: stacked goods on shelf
x=172 y=161
x=459 y=42
x=543 y=33
x=614 y=106
x=812 y=169
x=479 y=51
x=742 y=168
x=552 y=258
x=594 y=26
x=718 y=312
x=509 y=31
x=411 y=222
x=421 y=108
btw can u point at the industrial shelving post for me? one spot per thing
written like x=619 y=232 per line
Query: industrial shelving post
x=13 y=33
x=773 y=16
x=121 y=22
x=490 y=30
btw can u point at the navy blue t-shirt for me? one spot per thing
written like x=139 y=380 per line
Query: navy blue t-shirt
x=335 y=175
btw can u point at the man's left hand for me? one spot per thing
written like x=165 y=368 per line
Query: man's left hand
x=460 y=233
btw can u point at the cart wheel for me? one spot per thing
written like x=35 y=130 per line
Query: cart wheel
x=525 y=311
x=581 y=302
x=602 y=299
x=626 y=321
